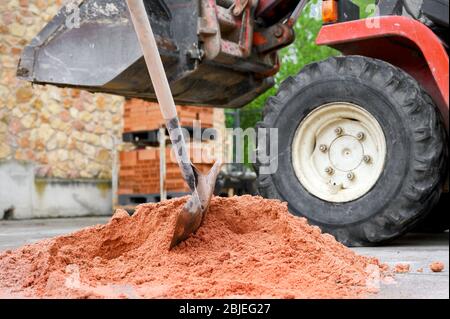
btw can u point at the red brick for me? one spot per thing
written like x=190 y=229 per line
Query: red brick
x=140 y=115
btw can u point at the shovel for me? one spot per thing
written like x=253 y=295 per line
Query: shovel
x=202 y=186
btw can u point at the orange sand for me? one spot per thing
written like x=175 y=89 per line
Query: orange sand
x=247 y=247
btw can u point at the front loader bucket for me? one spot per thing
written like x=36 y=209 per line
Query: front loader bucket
x=100 y=53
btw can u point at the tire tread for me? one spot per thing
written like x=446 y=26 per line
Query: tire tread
x=427 y=130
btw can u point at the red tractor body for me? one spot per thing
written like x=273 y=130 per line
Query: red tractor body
x=395 y=67
x=401 y=41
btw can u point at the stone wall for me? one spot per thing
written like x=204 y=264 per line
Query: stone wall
x=65 y=133
x=56 y=145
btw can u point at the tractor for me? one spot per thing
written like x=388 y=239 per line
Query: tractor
x=362 y=137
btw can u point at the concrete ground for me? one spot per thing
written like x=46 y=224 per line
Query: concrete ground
x=418 y=250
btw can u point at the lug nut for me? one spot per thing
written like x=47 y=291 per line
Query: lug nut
x=329 y=170
x=367 y=159
x=360 y=136
x=351 y=176
x=338 y=131
x=323 y=148
x=278 y=32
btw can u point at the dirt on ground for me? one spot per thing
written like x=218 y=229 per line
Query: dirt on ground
x=437 y=266
x=247 y=247
x=402 y=268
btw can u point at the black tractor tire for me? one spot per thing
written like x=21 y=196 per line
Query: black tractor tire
x=438 y=221
x=413 y=175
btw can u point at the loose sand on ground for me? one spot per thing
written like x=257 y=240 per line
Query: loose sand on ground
x=247 y=247
x=437 y=266
x=402 y=268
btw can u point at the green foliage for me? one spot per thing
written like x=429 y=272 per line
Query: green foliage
x=294 y=57
x=302 y=52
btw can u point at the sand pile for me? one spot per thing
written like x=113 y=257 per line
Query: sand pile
x=247 y=247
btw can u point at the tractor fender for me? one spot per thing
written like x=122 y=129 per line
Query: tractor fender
x=400 y=41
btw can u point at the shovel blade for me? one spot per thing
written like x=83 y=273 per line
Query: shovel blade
x=191 y=216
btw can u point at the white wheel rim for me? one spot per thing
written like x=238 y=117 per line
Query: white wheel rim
x=332 y=159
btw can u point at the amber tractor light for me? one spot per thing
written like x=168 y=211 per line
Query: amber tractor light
x=330 y=11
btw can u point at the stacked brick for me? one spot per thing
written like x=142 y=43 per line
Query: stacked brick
x=140 y=115
x=140 y=168
x=140 y=172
